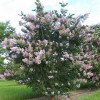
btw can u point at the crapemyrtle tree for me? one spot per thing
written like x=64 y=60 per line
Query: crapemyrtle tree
x=47 y=55
x=90 y=55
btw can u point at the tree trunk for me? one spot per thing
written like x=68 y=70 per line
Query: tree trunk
x=51 y=97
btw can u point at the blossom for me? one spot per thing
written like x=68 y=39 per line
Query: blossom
x=37 y=60
x=14 y=48
x=31 y=69
x=5 y=42
x=38 y=80
x=25 y=54
x=50 y=77
x=31 y=26
x=58 y=92
x=2 y=76
x=65 y=54
x=45 y=42
x=12 y=42
x=22 y=68
x=14 y=56
x=57 y=26
x=78 y=85
x=25 y=60
x=89 y=74
x=46 y=93
x=69 y=83
x=56 y=84
x=52 y=93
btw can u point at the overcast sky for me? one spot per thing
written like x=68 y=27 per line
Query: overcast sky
x=9 y=9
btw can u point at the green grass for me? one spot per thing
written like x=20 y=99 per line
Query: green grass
x=9 y=90
x=92 y=96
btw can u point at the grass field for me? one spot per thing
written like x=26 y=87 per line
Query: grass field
x=92 y=96
x=9 y=90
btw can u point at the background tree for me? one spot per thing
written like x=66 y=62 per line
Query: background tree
x=5 y=31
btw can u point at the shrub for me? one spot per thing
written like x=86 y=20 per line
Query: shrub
x=49 y=52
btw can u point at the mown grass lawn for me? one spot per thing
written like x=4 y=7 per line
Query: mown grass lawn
x=93 y=96
x=10 y=90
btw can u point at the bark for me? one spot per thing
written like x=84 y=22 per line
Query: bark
x=51 y=97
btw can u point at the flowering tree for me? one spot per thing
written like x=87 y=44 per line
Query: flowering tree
x=5 y=31
x=47 y=54
x=90 y=55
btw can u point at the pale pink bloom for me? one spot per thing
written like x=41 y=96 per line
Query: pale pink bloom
x=89 y=67
x=86 y=66
x=69 y=83
x=18 y=50
x=37 y=26
x=64 y=19
x=12 y=42
x=56 y=84
x=46 y=93
x=46 y=62
x=30 y=62
x=61 y=32
x=55 y=54
x=89 y=74
x=30 y=49
x=58 y=92
x=7 y=74
x=71 y=58
x=78 y=85
x=40 y=53
x=50 y=72
x=14 y=56
x=42 y=19
x=50 y=77
x=31 y=69
x=38 y=80
x=22 y=68
x=20 y=81
x=21 y=41
x=48 y=88
x=45 y=42
x=2 y=76
x=55 y=71
x=57 y=26
x=65 y=54
x=52 y=93
x=51 y=43
x=29 y=16
x=37 y=60
x=84 y=72
x=5 y=42
x=25 y=60
x=67 y=44
x=25 y=54
x=48 y=17
x=79 y=62
x=62 y=59
x=30 y=55
x=61 y=44
x=14 y=48
x=62 y=84
x=31 y=26
x=28 y=78
x=63 y=26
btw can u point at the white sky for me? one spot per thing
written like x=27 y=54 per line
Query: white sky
x=9 y=9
